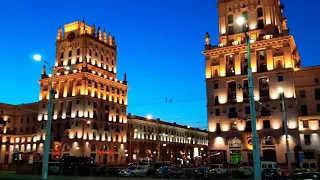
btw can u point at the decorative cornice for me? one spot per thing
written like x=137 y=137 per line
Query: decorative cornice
x=257 y=44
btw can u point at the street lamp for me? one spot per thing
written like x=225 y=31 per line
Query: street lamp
x=255 y=140
x=285 y=124
x=45 y=161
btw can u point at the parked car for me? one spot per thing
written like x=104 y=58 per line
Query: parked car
x=310 y=165
x=218 y=169
x=175 y=172
x=270 y=174
x=134 y=171
x=163 y=171
x=306 y=175
x=127 y=172
x=201 y=172
x=107 y=170
x=245 y=169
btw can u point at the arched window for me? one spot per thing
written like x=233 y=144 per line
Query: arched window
x=268 y=141
x=230 y=19
x=70 y=53
x=61 y=55
x=259 y=12
x=235 y=143
x=78 y=51
x=90 y=52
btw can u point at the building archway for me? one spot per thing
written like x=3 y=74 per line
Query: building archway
x=235 y=150
x=268 y=145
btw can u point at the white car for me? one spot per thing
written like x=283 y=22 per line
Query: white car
x=218 y=169
x=134 y=171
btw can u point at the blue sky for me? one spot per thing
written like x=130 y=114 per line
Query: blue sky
x=159 y=47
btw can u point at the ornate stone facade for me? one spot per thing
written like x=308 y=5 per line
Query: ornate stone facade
x=90 y=103
x=274 y=57
x=165 y=141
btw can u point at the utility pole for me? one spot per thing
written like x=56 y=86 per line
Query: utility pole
x=255 y=140
x=158 y=139
x=285 y=124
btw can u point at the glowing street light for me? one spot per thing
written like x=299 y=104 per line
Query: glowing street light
x=280 y=90
x=37 y=57
x=46 y=150
x=240 y=20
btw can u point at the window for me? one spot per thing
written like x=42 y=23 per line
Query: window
x=280 y=78
x=78 y=101
x=316 y=80
x=318 y=107
x=266 y=124
x=305 y=124
x=215 y=85
x=307 y=139
x=96 y=53
x=61 y=56
x=78 y=51
x=230 y=19
x=317 y=94
x=259 y=12
x=260 y=24
x=231 y=30
x=216 y=100
x=245 y=15
x=90 y=52
x=70 y=53
x=261 y=55
x=43 y=105
x=302 y=94
x=217 y=112
x=247 y=110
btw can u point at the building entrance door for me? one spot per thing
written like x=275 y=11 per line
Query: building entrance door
x=250 y=159
x=269 y=155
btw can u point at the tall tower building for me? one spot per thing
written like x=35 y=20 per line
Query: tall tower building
x=274 y=57
x=90 y=104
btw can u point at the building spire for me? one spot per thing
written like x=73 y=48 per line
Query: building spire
x=104 y=36
x=109 y=39
x=59 y=36
x=207 y=38
x=93 y=30
x=113 y=40
x=99 y=34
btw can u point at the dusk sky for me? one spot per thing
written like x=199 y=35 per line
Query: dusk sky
x=159 y=47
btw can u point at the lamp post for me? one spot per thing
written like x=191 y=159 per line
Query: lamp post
x=255 y=140
x=46 y=151
x=285 y=124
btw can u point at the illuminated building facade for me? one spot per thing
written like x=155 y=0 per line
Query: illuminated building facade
x=18 y=131
x=307 y=84
x=274 y=57
x=149 y=137
x=90 y=102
